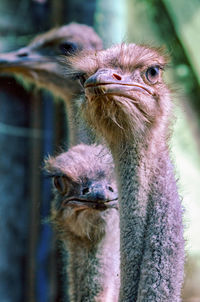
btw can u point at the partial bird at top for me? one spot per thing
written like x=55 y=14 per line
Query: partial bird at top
x=40 y=63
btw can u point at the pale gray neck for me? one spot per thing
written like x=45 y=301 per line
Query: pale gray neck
x=133 y=192
x=148 y=206
x=93 y=270
x=162 y=267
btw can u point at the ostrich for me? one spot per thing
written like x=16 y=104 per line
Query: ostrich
x=84 y=212
x=40 y=63
x=129 y=105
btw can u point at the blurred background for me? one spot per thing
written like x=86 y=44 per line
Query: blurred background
x=32 y=125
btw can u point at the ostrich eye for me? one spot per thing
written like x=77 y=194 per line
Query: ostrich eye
x=85 y=191
x=152 y=74
x=68 y=48
x=59 y=183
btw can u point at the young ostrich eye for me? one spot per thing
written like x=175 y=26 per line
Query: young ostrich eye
x=59 y=183
x=152 y=74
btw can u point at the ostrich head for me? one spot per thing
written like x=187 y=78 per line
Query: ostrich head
x=125 y=95
x=38 y=62
x=84 y=189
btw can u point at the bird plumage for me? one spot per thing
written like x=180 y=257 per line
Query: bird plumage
x=129 y=105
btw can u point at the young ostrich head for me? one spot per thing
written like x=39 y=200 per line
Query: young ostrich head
x=125 y=96
x=84 y=190
x=38 y=62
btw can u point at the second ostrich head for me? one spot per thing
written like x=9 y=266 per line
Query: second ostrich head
x=84 y=190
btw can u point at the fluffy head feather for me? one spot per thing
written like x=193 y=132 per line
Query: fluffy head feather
x=79 y=165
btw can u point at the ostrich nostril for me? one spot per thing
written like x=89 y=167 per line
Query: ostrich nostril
x=85 y=191
x=23 y=54
x=116 y=77
x=110 y=189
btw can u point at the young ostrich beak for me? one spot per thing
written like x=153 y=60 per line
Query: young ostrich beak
x=95 y=196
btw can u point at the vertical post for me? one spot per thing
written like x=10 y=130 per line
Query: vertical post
x=44 y=291
x=35 y=158
x=14 y=190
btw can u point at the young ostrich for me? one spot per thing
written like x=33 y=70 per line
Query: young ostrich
x=127 y=102
x=84 y=212
x=40 y=63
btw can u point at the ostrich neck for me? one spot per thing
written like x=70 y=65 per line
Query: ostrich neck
x=134 y=165
x=162 y=268
x=149 y=203
x=93 y=269
x=79 y=131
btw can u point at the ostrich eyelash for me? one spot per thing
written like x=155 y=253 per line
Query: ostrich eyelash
x=160 y=67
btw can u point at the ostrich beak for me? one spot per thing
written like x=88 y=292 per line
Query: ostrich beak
x=99 y=192
x=107 y=81
x=96 y=196
x=22 y=59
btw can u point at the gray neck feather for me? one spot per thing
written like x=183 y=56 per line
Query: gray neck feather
x=79 y=131
x=162 y=266
x=93 y=268
x=151 y=231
